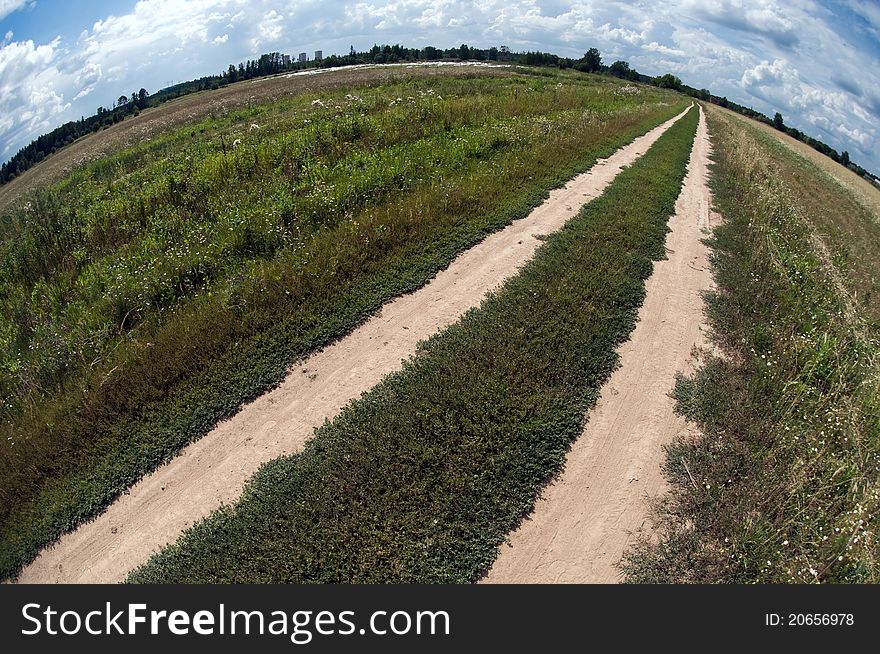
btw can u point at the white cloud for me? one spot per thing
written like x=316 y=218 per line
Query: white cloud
x=29 y=99
x=88 y=78
x=755 y=17
x=269 y=29
x=9 y=6
x=795 y=57
x=766 y=75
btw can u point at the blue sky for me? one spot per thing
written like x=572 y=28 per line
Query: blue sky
x=817 y=62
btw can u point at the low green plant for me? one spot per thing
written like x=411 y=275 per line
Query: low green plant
x=155 y=291
x=784 y=483
x=421 y=478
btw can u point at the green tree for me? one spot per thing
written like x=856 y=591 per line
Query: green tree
x=844 y=158
x=591 y=61
x=620 y=69
x=778 y=122
x=667 y=81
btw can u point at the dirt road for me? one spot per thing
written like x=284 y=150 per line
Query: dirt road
x=213 y=470
x=584 y=520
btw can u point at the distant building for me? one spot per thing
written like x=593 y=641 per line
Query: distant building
x=285 y=59
x=303 y=58
x=319 y=54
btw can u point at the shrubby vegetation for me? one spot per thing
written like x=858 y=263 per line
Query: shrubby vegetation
x=275 y=62
x=784 y=486
x=421 y=479
x=153 y=291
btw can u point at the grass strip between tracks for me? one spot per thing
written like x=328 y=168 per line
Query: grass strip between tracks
x=784 y=486
x=170 y=379
x=421 y=479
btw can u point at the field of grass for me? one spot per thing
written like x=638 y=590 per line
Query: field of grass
x=421 y=479
x=153 y=291
x=785 y=485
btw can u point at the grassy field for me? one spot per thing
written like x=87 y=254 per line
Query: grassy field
x=154 y=290
x=156 y=121
x=422 y=478
x=784 y=486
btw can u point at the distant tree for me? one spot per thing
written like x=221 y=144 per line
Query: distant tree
x=778 y=122
x=844 y=158
x=667 y=81
x=464 y=52
x=705 y=95
x=122 y=101
x=620 y=69
x=493 y=54
x=591 y=62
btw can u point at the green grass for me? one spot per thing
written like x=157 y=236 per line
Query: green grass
x=786 y=479
x=849 y=228
x=421 y=479
x=154 y=291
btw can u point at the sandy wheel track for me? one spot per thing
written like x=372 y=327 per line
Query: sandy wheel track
x=584 y=520
x=213 y=470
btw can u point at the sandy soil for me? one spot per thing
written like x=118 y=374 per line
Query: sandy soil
x=213 y=470
x=582 y=523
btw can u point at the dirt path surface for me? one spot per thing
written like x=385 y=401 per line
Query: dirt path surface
x=582 y=523
x=214 y=469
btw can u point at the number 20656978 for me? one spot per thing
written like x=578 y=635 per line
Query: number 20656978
x=809 y=619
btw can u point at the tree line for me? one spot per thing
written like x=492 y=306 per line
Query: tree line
x=273 y=63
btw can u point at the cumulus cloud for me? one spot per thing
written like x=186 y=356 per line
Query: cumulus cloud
x=29 y=99
x=818 y=67
x=8 y=6
x=88 y=78
x=766 y=75
x=752 y=17
x=269 y=29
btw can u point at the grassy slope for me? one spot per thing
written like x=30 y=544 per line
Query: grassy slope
x=157 y=290
x=421 y=479
x=788 y=473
